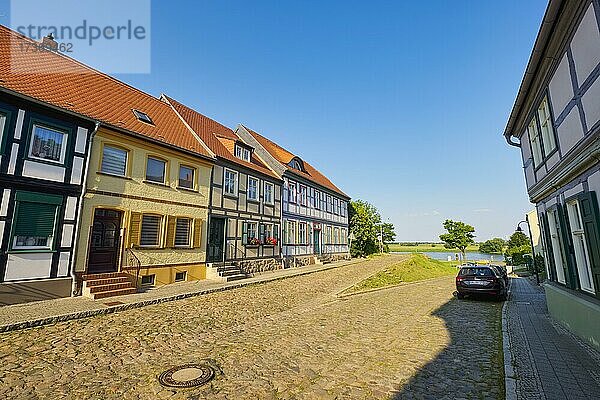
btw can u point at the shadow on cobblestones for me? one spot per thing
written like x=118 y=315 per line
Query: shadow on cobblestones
x=470 y=366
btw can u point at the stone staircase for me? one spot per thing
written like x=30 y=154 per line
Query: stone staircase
x=101 y=286
x=225 y=273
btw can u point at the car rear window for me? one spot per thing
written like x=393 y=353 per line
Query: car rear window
x=476 y=272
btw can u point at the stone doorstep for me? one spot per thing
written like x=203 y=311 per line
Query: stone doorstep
x=142 y=303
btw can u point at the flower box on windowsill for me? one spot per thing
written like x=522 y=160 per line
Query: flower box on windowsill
x=252 y=246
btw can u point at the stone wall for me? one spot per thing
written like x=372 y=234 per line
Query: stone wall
x=328 y=258
x=261 y=265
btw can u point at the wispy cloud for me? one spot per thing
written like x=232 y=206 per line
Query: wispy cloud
x=423 y=214
x=482 y=210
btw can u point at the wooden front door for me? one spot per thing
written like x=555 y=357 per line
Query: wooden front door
x=216 y=240
x=105 y=241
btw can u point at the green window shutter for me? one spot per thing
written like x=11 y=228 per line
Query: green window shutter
x=35 y=219
x=590 y=219
x=244 y=233
x=548 y=245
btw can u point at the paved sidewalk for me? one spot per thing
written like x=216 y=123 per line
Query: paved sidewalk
x=548 y=362
x=21 y=316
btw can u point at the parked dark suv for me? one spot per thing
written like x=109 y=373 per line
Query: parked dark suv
x=481 y=280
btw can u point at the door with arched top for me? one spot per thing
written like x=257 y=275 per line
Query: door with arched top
x=105 y=241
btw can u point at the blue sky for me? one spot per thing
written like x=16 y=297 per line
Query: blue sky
x=402 y=104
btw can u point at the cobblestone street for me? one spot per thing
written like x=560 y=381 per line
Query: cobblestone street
x=289 y=339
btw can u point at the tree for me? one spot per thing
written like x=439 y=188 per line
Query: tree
x=459 y=236
x=495 y=245
x=389 y=235
x=518 y=245
x=363 y=225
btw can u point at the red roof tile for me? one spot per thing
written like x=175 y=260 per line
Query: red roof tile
x=284 y=157
x=58 y=80
x=217 y=137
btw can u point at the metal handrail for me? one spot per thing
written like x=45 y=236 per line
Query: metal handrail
x=131 y=260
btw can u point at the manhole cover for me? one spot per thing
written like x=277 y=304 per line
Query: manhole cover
x=187 y=376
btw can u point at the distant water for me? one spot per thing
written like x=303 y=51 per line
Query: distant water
x=471 y=255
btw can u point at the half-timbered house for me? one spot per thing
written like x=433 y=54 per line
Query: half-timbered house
x=314 y=210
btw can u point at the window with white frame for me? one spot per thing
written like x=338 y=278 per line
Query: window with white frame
x=150 y=230
x=291 y=233
x=269 y=193
x=322 y=201
x=302 y=195
x=548 y=142
x=328 y=238
x=114 y=161
x=186 y=177
x=183 y=232
x=292 y=192
x=536 y=144
x=336 y=206
x=242 y=153
x=302 y=233
x=267 y=233
x=336 y=236
x=230 y=182
x=252 y=188
x=557 y=248
x=156 y=170
x=579 y=244
x=48 y=144
x=251 y=233
x=317 y=200
x=344 y=236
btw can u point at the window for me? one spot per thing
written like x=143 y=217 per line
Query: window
x=557 y=249
x=3 y=124
x=180 y=276
x=114 y=161
x=302 y=233
x=268 y=236
x=536 y=145
x=250 y=233
x=344 y=236
x=342 y=208
x=230 y=182
x=291 y=234
x=183 y=232
x=155 y=170
x=302 y=195
x=269 y=189
x=328 y=238
x=142 y=116
x=329 y=204
x=579 y=244
x=252 y=188
x=336 y=208
x=317 y=200
x=296 y=164
x=186 y=177
x=148 y=280
x=322 y=200
x=545 y=118
x=150 y=231
x=48 y=144
x=292 y=192
x=34 y=220
x=242 y=153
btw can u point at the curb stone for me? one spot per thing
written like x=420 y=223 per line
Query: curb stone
x=123 y=307
x=510 y=380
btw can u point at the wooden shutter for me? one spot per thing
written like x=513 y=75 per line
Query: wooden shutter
x=198 y=232
x=171 y=220
x=244 y=233
x=548 y=245
x=135 y=224
x=588 y=206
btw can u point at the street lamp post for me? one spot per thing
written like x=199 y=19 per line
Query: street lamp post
x=526 y=220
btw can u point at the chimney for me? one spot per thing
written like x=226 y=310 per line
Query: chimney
x=49 y=42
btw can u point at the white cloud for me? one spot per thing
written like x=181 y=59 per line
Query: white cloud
x=482 y=210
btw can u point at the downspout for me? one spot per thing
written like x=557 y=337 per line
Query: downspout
x=74 y=290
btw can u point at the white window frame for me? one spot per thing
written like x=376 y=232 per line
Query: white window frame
x=270 y=200
x=557 y=247
x=302 y=194
x=291 y=233
x=63 y=148
x=536 y=145
x=242 y=153
x=302 y=235
x=257 y=187
x=255 y=229
x=235 y=182
x=582 y=258
x=547 y=131
x=292 y=192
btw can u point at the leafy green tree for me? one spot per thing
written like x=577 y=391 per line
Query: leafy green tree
x=518 y=246
x=495 y=245
x=459 y=236
x=364 y=220
x=389 y=235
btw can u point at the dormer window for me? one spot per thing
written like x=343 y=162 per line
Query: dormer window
x=242 y=153
x=296 y=164
x=142 y=116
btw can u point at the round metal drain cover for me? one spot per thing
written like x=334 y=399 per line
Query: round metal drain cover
x=187 y=376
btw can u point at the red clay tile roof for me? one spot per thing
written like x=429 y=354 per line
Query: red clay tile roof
x=61 y=81
x=284 y=157
x=217 y=137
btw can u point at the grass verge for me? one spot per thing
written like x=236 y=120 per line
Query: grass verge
x=418 y=267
